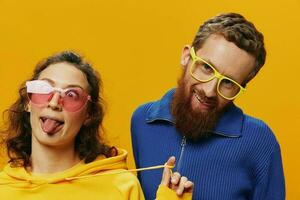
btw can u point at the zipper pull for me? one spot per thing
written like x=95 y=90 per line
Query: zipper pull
x=183 y=141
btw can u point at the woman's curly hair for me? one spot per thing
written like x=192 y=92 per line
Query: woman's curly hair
x=88 y=142
x=235 y=28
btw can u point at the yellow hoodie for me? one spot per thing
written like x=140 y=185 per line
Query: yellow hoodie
x=104 y=178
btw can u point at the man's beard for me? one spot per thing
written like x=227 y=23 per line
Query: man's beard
x=190 y=123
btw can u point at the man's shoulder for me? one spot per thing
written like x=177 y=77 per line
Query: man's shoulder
x=155 y=110
x=255 y=123
x=257 y=129
x=142 y=110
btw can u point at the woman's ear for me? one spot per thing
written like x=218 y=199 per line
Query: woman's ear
x=87 y=121
x=28 y=107
x=185 y=56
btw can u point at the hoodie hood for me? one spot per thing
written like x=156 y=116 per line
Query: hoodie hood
x=20 y=178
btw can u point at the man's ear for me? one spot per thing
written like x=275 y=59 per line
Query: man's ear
x=251 y=76
x=185 y=56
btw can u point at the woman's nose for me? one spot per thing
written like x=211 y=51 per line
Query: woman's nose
x=55 y=101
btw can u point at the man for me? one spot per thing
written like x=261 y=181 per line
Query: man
x=226 y=153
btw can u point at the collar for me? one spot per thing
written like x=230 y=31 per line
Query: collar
x=229 y=125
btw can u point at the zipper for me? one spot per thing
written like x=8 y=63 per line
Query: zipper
x=183 y=143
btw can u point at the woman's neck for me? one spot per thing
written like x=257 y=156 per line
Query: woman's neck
x=49 y=159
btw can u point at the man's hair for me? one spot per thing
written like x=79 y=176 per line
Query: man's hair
x=88 y=144
x=235 y=28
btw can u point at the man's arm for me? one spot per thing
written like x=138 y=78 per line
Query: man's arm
x=270 y=184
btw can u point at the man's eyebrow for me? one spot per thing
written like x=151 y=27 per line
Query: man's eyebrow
x=214 y=66
x=209 y=62
x=53 y=82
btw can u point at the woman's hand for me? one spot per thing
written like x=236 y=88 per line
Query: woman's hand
x=175 y=181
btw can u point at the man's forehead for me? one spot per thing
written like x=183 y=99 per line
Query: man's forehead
x=226 y=57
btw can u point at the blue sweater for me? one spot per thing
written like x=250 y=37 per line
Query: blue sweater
x=240 y=160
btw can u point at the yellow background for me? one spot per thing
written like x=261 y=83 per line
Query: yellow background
x=136 y=46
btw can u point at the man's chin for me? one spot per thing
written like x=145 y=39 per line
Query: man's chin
x=195 y=115
x=193 y=121
x=198 y=110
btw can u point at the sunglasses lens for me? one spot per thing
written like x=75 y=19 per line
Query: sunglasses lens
x=74 y=99
x=40 y=99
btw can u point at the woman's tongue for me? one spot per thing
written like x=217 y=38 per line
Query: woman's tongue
x=51 y=126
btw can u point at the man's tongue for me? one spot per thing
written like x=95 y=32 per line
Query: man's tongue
x=51 y=126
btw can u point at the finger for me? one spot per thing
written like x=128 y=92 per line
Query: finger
x=188 y=186
x=175 y=178
x=180 y=188
x=167 y=172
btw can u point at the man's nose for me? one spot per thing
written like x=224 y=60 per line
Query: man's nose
x=210 y=88
x=55 y=102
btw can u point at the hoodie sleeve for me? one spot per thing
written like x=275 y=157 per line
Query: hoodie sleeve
x=129 y=187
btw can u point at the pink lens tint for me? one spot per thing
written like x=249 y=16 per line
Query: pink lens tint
x=72 y=99
x=40 y=99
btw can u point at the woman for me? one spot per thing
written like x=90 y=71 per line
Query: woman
x=53 y=142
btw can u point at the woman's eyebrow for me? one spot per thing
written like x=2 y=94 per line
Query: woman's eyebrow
x=52 y=83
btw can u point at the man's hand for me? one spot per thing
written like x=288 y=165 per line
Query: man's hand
x=175 y=181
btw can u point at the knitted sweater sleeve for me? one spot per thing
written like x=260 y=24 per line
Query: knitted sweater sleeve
x=270 y=183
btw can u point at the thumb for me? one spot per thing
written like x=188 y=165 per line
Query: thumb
x=167 y=173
